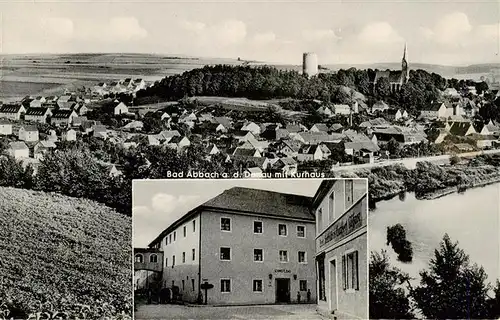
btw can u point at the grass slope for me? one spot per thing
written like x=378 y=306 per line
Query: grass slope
x=63 y=251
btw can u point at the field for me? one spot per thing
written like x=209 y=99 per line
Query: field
x=65 y=254
x=89 y=69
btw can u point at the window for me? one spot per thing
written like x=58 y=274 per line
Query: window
x=350 y=271
x=283 y=256
x=184 y=231
x=225 y=224
x=166 y=240
x=257 y=227
x=173 y=283
x=320 y=219
x=303 y=285
x=173 y=261
x=153 y=258
x=258 y=255
x=166 y=262
x=321 y=279
x=192 y=284
x=175 y=233
x=183 y=257
x=225 y=285
x=193 y=255
x=331 y=207
x=301 y=231
x=282 y=230
x=194 y=225
x=302 y=257
x=182 y=285
x=170 y=238
x=225 y=253
x=349 y=193
x=257 y=286
x=139 y=258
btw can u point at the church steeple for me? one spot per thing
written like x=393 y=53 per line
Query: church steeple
x=404 y=66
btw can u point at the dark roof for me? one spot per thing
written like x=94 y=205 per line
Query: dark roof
x=36 y=111
x=244 y=152
x=393 y=76
x=460 y=128
x=61 y=114
x=10 y=108
x=147 y=250
x=263 y=202
x=434 y=106
x=246 y=200
x=176 y=139
x=323 y=190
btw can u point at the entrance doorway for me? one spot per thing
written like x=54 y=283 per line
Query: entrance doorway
x=333 y=301
x=283 y=290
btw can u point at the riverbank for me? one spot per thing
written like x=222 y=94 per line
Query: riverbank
x=430 y=181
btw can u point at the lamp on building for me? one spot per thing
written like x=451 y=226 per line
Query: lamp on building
x=294 y=277
x=270 y=276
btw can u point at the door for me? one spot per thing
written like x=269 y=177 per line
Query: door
x=282 y=290
x=333 y=301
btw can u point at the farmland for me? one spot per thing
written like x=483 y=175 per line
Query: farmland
x=61 y=253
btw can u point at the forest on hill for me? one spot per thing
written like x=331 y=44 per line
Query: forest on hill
x=265 y=82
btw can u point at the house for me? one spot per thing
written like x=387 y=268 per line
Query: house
x=165 y=116
x=253 y=172
x=120 y=108
x=287 y=166
x=168 y=134
x=178 y=142
x=243 y=136
x=483 y=141
x=342 y=254
x=435 y=110
x=41 y=147
x=247 y=226
x=342 y=109
x=295 y=128
x=397 y=114
x=226 y=122
x=462 y=129
x=374 y=123
x=100 y=131
x=275 y=134
x=318 y=137
x=28 y=133
x=66 y=102
x=403 y=135
x=63 y=117
x=37 y=102
x=251 y=127
x=135 y=125
x=81 y=109
x=380 y=106
x=18 y=150
x=451 y=92
x=69 y=135
x=114 y=170
x=139 y=84
x=37 y=114
x=324 y=110
x=319 y=127
x=246 y=152
x=362 y=150
x=336 y=127
x=211 y=149
x=288 y=147
x=153 y=140
x=5 y=127
x=489 y=129
x=311 y=153
x=12 y=111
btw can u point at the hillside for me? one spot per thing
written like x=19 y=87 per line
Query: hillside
x=63 y=253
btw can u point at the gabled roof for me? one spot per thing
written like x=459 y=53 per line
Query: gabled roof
x=36 y=111
x=321 y=127
x=292 y=144
x=176 y=139
x=263 y=202
x=62 y=114
x=244 y=152
x=10 y=108
x=29 y=128
x=435 y=106
x=460 y=128
x=356 y=146
x=18 y=145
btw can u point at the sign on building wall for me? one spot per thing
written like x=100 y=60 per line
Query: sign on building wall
x=347 y=224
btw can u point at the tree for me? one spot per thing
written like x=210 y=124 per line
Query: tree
x=393 y=147
x=481 y=87
x=383 y=88
x=452 y=288
x=396 y=236
x=388 y=297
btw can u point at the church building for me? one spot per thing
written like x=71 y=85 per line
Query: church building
x=396 y=78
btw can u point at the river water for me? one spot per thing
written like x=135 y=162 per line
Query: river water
x=471 y=218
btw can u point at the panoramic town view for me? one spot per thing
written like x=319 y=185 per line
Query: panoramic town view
x=96 y=95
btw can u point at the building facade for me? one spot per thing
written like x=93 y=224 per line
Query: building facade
x=341 y=257
x=253 y=246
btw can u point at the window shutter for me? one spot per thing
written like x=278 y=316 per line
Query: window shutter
x=344 y=272
x=356 y=272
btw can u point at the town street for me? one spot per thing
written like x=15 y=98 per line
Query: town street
x=170 y=311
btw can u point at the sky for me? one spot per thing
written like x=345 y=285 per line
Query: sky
x=349 y=31
x=159 y=203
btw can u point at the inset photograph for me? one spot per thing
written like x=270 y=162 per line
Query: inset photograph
x=436 y=259
x=260 y=249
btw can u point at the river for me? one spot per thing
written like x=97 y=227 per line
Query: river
x=471 y=218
